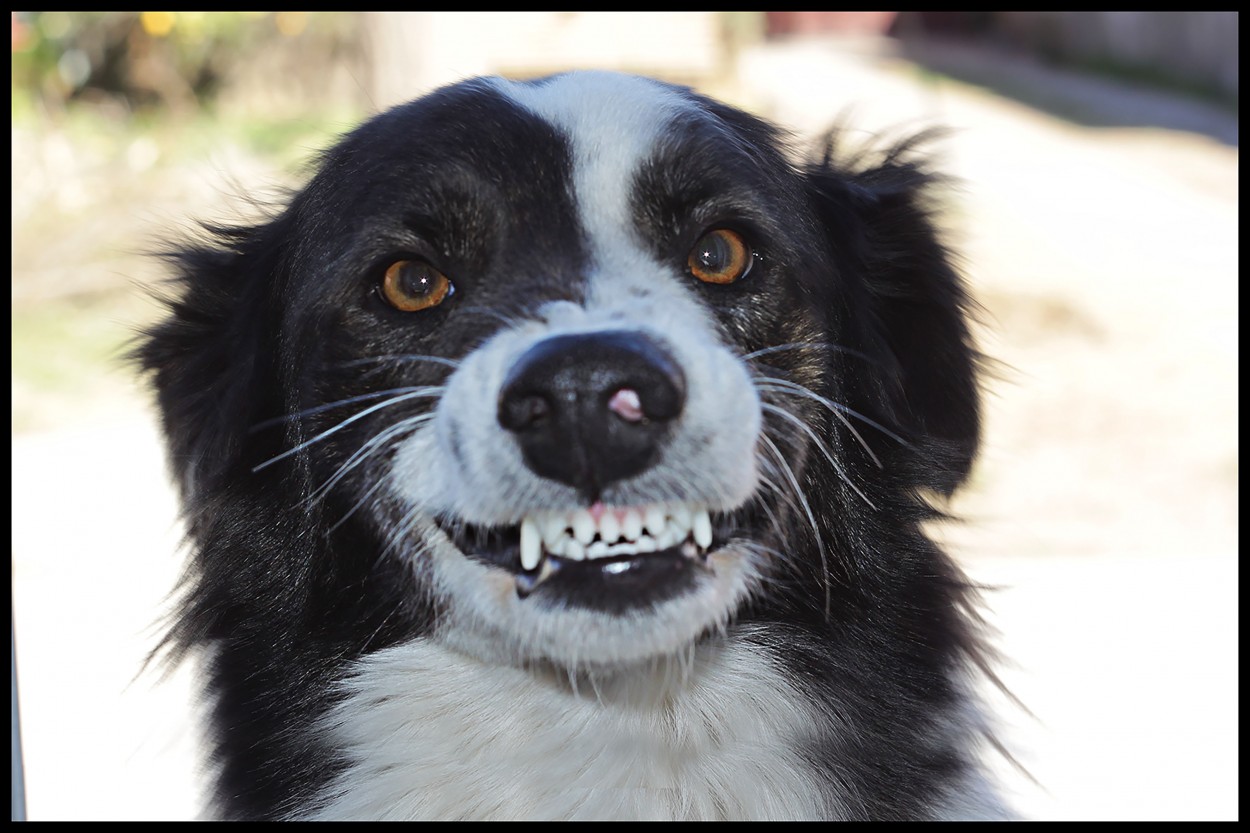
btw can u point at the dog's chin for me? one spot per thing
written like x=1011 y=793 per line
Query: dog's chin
x=599 y=605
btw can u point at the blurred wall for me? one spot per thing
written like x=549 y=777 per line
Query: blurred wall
x=1201 y=47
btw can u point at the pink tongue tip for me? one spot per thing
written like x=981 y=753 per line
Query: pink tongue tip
x=626 y=405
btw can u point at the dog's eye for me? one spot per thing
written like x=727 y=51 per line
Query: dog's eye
x=414 y=285
x=720 y=256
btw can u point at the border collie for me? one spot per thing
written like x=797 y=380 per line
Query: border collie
x=561 y=451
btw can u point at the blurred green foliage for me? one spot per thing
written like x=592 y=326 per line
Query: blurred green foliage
x=127 y=126
x=140 y=60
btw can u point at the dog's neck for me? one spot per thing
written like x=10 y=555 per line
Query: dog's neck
x=432 y=733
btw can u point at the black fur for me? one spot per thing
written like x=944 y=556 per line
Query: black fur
x=268 y=320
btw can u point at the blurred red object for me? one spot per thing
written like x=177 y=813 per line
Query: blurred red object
x=21 y=33
x=847 y=23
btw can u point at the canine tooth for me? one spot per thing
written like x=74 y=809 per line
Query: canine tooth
x=631 y=524
x=597 y=550
x=702 y=528
x=654 y=519
x=609 y=527
x=531 y=545
x=583 y=526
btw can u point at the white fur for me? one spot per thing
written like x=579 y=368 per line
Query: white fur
x=613 y=122
x=432 y=733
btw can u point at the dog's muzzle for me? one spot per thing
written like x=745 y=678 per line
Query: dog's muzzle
x=598 y=412
x=590 y=409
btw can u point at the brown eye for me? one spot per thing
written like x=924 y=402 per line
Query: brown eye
x=720 y=256
x=414 y=285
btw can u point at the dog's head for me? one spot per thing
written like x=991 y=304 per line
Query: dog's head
x=591 y=357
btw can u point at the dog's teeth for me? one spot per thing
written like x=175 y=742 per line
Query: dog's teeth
x=556 y=547
x=654 y=520
x=531 y=545
x=576 y=536
x=681 y=518
x=609 y=527
x=553 y=525
x=583 y=526
x=670 y=537
x=701 y=525
x=631 y=524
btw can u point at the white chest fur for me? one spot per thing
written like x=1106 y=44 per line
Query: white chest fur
x=434 y=734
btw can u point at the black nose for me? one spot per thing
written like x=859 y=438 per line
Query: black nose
x=592 y=408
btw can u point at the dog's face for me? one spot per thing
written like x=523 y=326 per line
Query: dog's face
x=587 y=356
x=573 y=485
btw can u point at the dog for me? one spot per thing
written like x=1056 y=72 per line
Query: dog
x=562 y=450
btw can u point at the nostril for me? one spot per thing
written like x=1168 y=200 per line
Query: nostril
x=521 y=412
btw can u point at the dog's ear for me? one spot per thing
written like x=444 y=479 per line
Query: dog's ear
x=213 y=356
x=878 y=218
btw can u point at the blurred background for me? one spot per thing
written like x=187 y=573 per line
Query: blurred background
x=1096 y=161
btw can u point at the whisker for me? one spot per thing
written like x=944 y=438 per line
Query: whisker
x=390 y=614
x=403 y=530
x=759 y=549
x=505 y=318
x=416 y=393
x=364 y=452
x=811 y=519
x=783 y=538
x=399 y=357
x=364 y=499
x=819 y=345
x=799 y=390
x=836 y=408
x=781 y=493
x=260 y=426
x=816 y=440
x=802 y=390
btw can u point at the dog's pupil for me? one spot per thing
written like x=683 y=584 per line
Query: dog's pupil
x=419 y=280
x=714 y=253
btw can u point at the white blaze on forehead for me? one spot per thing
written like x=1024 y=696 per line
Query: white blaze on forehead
x=612 y=123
